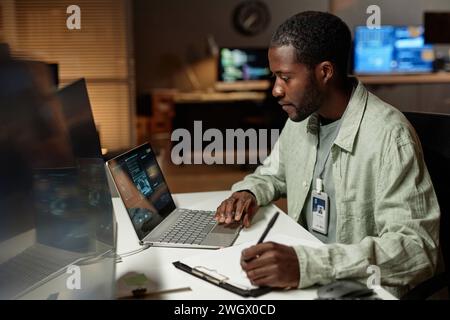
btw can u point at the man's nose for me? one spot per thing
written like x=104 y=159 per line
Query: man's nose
x=277 y=90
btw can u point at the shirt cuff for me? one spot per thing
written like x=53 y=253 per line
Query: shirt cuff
x=314 y=265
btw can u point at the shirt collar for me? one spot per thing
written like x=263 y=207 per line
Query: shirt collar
x=351 y=119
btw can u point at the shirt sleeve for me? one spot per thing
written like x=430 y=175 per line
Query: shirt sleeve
x=268 y=182
x=407 y=221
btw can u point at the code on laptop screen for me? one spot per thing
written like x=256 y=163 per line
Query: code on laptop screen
x=142 y=188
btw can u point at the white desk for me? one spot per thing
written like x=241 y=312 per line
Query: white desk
x=156 y=263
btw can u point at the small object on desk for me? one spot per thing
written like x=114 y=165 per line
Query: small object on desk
x=136 y=279
x=140 y=292
x=345 y=290
x=134 y=284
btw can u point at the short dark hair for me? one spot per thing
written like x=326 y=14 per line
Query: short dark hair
x=316 y=36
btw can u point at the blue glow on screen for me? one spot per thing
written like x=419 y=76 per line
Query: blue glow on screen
x=392 y=49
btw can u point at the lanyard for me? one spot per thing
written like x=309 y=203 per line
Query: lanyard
x=319 y=180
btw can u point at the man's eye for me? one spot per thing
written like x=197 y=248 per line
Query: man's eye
x=284 y=78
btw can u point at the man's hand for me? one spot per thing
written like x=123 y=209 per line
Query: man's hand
x=241 y=205
x=271 y=264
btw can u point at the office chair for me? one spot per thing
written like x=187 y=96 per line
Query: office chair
x=434 y=134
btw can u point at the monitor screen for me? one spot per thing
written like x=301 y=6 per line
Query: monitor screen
x=241 y=64
x=392 y=49
x=78 y=116
x=142 y=188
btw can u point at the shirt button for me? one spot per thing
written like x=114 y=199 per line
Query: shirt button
x=305 y=184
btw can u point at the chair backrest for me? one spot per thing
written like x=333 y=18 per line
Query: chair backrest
x=434 y=134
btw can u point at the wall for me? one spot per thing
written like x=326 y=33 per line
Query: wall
x=169 y=33
x=396 y=12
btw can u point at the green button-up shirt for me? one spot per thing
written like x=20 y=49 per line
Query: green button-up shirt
x=387 y=211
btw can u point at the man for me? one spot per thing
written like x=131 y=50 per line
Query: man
x=344 y=150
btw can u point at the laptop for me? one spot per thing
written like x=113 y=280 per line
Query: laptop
x=152 y=211
x=71 y=210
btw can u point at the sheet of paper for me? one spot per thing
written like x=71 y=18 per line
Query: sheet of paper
x=225 y=263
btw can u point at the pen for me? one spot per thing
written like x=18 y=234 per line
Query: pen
x=269 y=226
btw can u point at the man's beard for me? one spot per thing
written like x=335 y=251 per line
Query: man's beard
x=311 y=102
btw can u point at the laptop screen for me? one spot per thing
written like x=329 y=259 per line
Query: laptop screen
x=142 y=188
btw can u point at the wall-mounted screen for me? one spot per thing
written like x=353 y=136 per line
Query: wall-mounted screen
x=392 y=49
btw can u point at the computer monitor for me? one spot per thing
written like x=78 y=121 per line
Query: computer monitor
x=392 y=50
x=79 y=119
x=55 y=206
x=243 y=64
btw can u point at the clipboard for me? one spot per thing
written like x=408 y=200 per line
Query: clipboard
x=222 y=267
x=221 y=281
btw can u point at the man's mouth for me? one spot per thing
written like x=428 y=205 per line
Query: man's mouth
x=287 y=106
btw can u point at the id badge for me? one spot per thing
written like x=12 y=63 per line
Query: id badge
x=320 y=212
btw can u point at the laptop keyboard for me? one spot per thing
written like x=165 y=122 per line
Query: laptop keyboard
x=192 y=227
x=31 y=266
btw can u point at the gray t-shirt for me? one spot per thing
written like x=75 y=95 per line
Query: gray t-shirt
x=327 y=135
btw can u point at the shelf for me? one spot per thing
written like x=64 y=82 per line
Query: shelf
x=440 y=77
x=193 y=97
x=251 y=85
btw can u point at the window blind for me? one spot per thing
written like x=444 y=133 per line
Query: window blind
x=100 y=52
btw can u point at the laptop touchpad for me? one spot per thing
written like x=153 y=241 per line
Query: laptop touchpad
x=227 y=229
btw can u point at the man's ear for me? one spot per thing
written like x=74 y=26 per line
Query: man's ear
x=324 y=72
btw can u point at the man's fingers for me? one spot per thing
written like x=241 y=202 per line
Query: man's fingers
x=257 y=274
x=235 y=208
x=241 y=208
x=246 y=220
x=257 y=262
x=229 y=210
x=219 y=212
x=266 y=281
x=257 y=250
x=271 y=264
